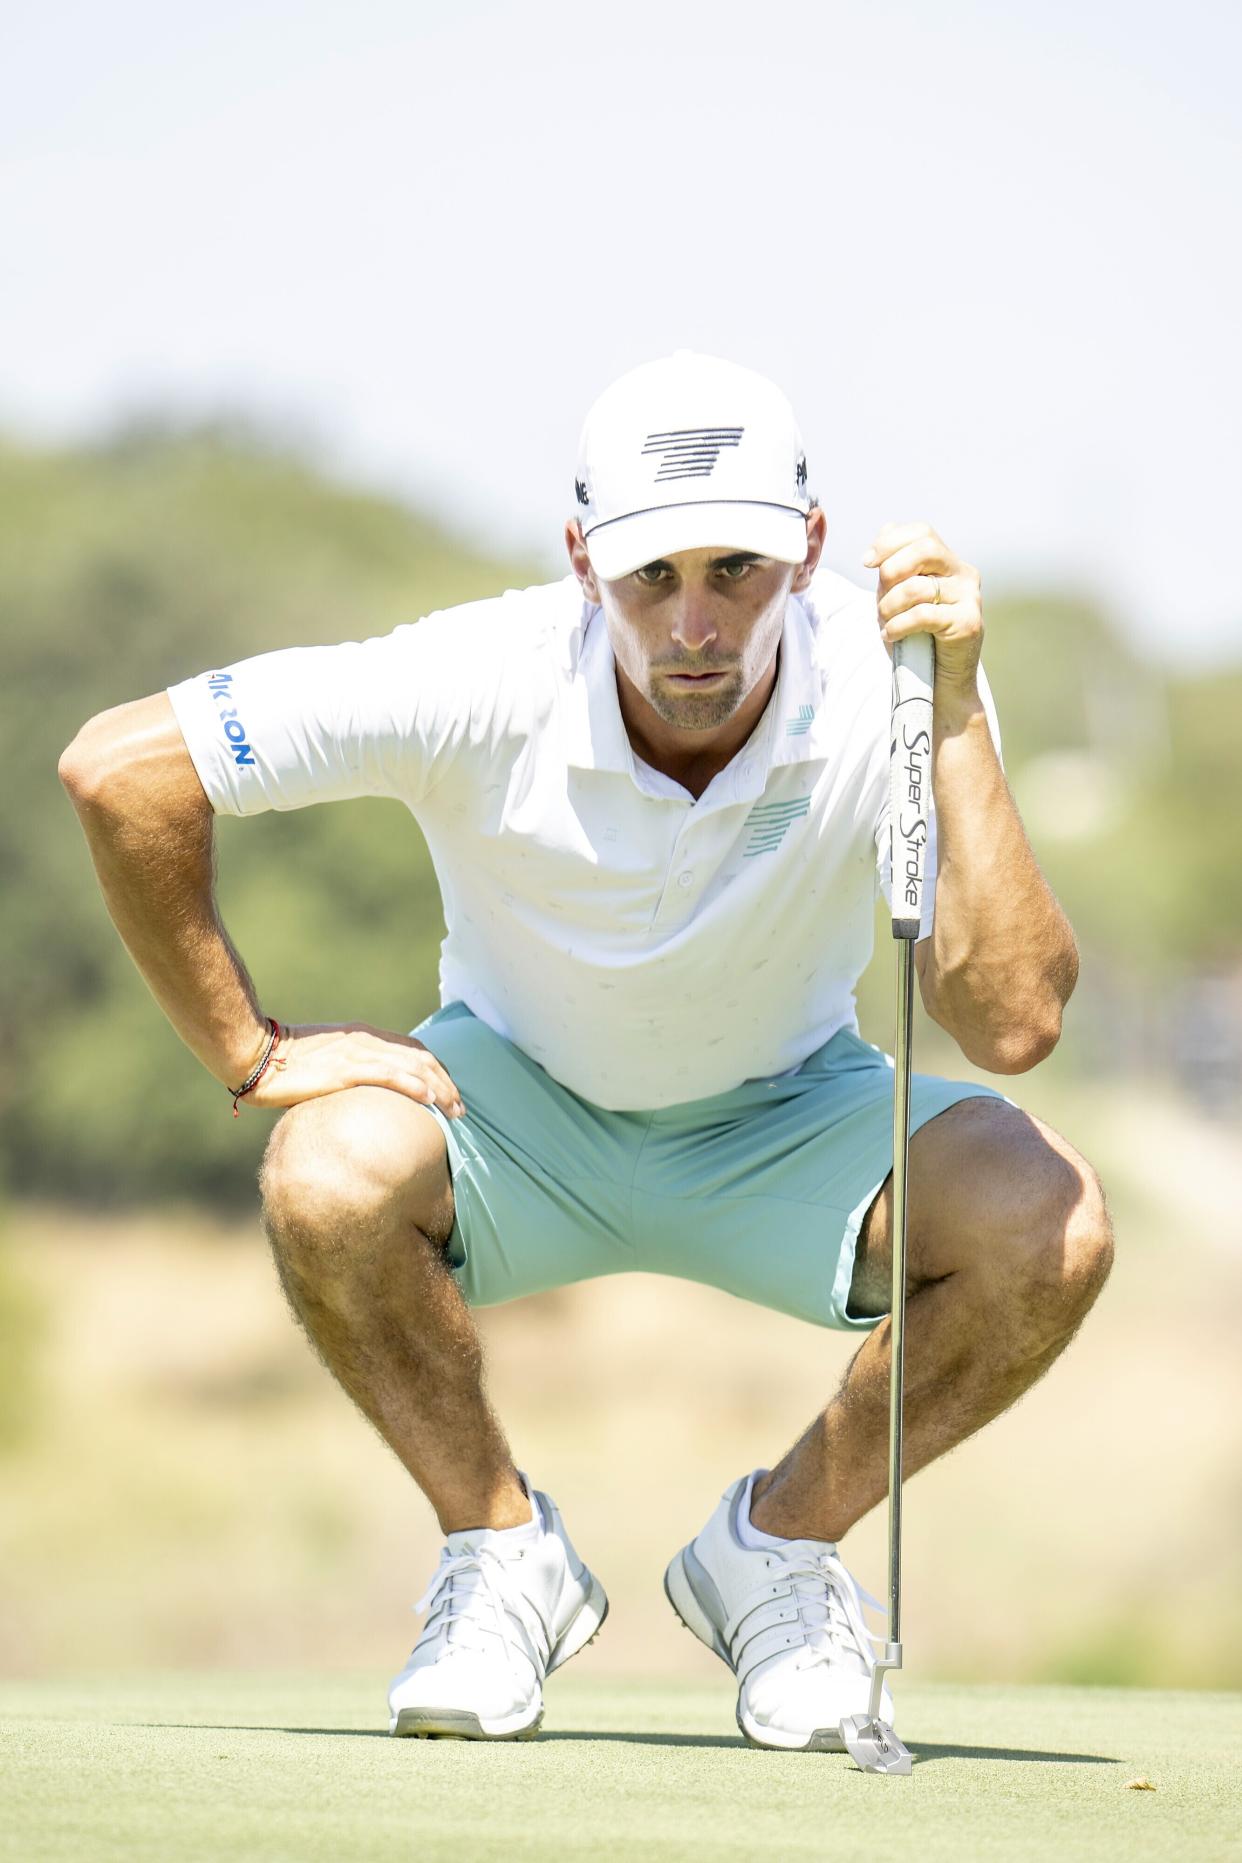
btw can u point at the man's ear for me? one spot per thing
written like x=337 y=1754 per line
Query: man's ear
x=816 y=536
x=580 y=562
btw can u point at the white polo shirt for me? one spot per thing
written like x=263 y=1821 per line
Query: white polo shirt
x=644 y=947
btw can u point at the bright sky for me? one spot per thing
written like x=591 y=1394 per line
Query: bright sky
x=990 y=252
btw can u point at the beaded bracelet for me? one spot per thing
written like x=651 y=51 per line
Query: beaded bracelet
x=265 y=1061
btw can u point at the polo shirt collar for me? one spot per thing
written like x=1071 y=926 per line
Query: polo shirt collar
x=799 y=732
x=595 y=730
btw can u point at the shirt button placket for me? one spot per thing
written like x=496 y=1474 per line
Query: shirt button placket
x=675 y=907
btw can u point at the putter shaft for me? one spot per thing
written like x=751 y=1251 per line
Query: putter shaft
x=871 y=1741
x=896 y=1382
x=897 y=1364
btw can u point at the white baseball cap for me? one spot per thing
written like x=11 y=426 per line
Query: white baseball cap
x=687 y=453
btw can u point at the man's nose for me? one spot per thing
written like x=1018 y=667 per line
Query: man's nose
x=694 y=628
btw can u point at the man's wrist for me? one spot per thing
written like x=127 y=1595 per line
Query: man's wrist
x=245 y=1055
x=267 y=1059
x=955 y=707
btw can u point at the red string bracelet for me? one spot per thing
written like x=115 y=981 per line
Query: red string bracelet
x=264 y=1063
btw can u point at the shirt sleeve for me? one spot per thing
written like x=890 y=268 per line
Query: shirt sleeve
x=389 y=716
x=883 y=840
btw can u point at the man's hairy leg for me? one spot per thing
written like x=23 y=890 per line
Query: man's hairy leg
x=1009 y=1244
x=358 y=1204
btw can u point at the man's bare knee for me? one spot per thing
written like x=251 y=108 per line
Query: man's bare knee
x=363 y=1160
x=1049 y=1256
x=1076 y=1235
x=1003 y=1198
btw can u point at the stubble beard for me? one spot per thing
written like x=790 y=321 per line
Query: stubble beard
x=695 y=711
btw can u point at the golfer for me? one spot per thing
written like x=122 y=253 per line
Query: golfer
x=656 y=796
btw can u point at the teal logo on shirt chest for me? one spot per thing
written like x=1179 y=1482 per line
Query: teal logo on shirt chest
x=769 y=822
x=801 y=722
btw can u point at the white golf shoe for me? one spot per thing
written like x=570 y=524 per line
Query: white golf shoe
x=503 y=1610
x=787 y=1618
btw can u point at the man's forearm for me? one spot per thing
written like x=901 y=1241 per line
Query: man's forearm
x=1003 y=961
x=155 y=872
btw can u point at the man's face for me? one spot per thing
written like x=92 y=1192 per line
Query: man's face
x=695 y=632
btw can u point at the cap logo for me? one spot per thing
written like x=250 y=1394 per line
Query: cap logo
x=690 y=452
x=581 y=493
x=800 y=472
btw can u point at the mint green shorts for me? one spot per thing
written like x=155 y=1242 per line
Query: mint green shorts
x=760 y=1191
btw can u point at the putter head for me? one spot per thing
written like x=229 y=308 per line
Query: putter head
x=873 y=1746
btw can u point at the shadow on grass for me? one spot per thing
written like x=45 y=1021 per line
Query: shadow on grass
x=925 y=1752
x=381 y=1733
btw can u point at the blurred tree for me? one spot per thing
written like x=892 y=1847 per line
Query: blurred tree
x=122 y=570
x=22 y=1329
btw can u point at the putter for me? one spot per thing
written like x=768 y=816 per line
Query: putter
x=870 y=1741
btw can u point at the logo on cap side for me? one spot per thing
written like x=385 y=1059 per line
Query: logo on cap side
x=581 y=493
x=800 y=472
x=690 y=452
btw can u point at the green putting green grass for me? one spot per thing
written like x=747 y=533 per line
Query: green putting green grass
x=218 y=1765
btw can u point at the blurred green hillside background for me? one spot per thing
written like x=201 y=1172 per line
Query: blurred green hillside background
x=127 y=566
x=182 y=1482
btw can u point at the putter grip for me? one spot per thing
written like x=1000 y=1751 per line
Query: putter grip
x=909 y=777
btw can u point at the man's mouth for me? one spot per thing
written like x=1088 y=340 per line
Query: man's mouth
x=689 y=681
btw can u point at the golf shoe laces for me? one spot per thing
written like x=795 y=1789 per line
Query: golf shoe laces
x=473 y=1595
x=812 y=1594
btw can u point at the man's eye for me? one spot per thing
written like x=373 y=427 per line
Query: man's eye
x=734 y=571
x=652 y=573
